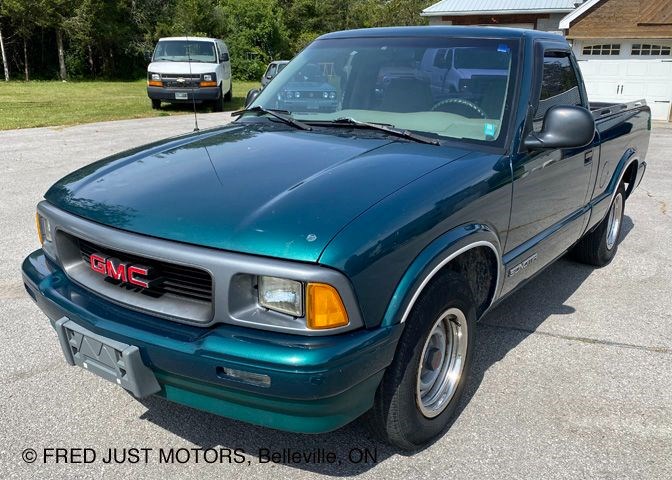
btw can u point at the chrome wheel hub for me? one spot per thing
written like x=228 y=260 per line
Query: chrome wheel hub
x=614 y=222
x=441 y=362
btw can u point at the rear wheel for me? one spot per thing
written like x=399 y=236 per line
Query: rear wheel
x=156 y=104
x=422 y=388
x=599 y=247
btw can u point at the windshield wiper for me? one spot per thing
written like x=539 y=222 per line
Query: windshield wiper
x=383 y=127
x=282 y=115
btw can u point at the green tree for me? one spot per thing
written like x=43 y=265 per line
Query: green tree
x=54 y=16
x=21 y=14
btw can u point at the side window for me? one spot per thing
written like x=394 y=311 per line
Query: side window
x=440 y=58
x=559 y=85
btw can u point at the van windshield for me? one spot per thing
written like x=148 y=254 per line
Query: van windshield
x=184 y=51
x=450 y=87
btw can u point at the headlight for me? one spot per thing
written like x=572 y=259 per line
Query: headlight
x=43 y=229
x=332 y=95
x=290 y=94
x=156 y=76
x=281 y=295
x=323 y=306
x=325 y=94
x=297 y=94
x=209 y=77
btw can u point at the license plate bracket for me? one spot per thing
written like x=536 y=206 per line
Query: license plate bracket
x=112 y=360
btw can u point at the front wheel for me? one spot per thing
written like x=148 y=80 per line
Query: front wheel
x=218 y=105
x=422 y=387
x=599 y=247
x=156 y=104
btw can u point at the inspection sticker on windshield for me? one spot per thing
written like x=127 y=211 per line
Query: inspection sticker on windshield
x=503 y=48
x=489 y=130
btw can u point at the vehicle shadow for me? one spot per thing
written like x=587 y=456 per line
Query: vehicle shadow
x=499 y=332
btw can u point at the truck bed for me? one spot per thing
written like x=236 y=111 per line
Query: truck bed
x=604 y=109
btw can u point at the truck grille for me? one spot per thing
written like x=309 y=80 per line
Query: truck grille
x=181 y=81
x=168 y=278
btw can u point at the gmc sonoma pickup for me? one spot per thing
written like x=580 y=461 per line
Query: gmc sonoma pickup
x=299 y=269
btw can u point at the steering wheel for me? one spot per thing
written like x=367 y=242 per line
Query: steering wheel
x=460 y=101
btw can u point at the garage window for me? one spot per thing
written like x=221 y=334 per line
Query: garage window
x=647 y=49
x=603 y=49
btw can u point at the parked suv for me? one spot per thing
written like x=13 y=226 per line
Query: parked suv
x=190 y=69
x=272 y=70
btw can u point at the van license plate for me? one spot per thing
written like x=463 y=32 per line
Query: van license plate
x=181 y=96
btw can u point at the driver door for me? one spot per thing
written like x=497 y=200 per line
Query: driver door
x=549 y=186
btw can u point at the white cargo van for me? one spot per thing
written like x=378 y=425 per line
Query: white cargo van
x=190 y=69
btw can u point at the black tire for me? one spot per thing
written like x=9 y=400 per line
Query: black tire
x=396 y=416
x=229 y=95
x=156 y=104
x=218 y=105
x=596 y=247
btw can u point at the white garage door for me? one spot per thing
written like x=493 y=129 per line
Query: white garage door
x=624 y=71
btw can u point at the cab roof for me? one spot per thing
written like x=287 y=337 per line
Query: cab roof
x=444 y=30
x=191 y=39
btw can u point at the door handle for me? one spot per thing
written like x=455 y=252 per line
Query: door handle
x=588 y=157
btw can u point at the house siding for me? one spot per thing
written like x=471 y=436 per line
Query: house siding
x=623 y=19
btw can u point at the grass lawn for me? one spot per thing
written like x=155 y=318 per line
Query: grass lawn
x=40 y=104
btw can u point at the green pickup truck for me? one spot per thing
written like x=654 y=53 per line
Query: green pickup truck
x=298 y=269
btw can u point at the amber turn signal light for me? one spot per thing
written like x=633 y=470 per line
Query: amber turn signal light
x=38 y=225
x=324 y=307
x=208 y=84
x=154 y=83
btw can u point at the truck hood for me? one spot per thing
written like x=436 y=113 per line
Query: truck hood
x=181 y=68
x=248 y=188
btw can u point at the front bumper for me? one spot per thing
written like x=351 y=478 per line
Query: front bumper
x=198 y=95
x=317 y=383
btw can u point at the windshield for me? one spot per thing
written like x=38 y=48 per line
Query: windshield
x=183 y=51
x=451 y=87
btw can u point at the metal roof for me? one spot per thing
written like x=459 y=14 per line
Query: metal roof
x=442 y=30
x=500 y=7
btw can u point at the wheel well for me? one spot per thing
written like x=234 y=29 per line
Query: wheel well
x=479 y=266
x=629 y=178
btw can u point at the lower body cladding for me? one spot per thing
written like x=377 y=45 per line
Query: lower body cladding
x=182 y=95
x=284 y=381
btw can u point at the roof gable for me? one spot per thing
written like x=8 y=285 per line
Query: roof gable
x=619 y=19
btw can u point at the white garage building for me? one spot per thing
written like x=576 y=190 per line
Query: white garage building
x=624 y=48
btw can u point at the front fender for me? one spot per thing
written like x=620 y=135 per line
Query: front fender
x=430 y=261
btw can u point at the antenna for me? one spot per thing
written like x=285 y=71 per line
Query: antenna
x=191 y=79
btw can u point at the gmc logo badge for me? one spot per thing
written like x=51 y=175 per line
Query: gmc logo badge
x=117 y=270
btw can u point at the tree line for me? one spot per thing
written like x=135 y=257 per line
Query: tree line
x=114 y=39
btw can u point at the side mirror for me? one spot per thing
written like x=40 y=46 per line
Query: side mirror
x=251 y=95
x=224 y=57
x=564 y=127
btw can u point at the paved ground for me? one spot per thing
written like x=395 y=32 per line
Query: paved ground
x=573 y=374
